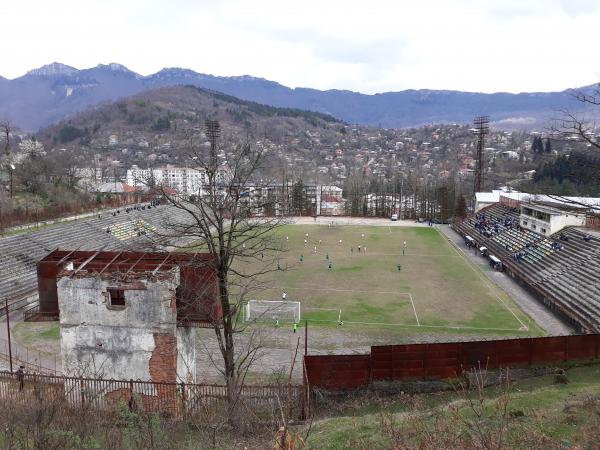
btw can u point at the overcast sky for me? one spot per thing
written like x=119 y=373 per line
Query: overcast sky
x=368 y=45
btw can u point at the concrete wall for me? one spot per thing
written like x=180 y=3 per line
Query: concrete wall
x=139 y=341
x=186 y=354
x=479 y=205
x=557 y=223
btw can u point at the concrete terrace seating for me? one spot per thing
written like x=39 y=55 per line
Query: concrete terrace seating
x=19 y=253
x=12 y=279
x=566 y=276
x=123 y=231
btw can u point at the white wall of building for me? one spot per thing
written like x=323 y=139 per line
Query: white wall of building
x=99 y=340
x=546 y=220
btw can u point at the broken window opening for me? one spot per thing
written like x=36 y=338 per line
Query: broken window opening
x=116 y=297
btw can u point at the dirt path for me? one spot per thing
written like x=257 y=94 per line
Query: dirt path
x=27 y=355
x=527 y=302
x=279 y=346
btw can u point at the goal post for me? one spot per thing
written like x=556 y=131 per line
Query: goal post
x=273 y=310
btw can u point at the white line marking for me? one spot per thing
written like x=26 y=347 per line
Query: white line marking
x=414 y=309
x=448 y=327
x=412 y=325
x=346 y=290
x=407 y=294
x=427 y=255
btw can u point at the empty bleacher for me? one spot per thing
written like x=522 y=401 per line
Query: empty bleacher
x=564 y=273
x=19 y=254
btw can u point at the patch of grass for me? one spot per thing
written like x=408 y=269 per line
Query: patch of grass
x=53 y=332
x=39 y=336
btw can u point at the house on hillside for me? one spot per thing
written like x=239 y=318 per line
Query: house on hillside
x=117 y=189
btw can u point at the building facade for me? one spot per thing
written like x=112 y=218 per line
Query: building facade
x=547 y=220
x=128 y=315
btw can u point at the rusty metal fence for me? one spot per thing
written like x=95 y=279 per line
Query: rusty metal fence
x=444 y=360
x=174 y=400
x=33 y=314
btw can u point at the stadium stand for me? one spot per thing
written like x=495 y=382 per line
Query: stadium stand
x=132 y=228
x=563 y=269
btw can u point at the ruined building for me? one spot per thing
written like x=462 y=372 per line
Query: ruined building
x=129 y=315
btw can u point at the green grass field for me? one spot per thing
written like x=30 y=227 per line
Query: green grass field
x=437 y=289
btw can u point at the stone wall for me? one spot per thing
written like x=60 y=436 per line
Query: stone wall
x=139 y=341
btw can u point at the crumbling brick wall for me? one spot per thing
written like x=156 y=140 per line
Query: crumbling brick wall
x=163 y=362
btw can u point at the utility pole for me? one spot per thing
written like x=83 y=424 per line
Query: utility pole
x=8 y=334
x=305 y=337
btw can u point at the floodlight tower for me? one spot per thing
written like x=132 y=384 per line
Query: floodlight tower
x=213 y=131
x=482 y=128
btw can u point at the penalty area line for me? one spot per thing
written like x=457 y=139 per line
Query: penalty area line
x=441 y=327
x=414 y=309
x=345 y=290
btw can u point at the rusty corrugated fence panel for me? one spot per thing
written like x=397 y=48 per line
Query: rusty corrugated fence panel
x=444 y=360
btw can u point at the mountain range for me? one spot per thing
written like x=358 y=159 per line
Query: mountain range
x=56 y=91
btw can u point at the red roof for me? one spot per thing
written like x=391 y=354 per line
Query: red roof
x=115 y=261
x=128 y=188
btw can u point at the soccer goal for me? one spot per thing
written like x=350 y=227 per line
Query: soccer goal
x=273 y=310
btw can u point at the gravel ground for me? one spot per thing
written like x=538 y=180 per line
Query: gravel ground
x=344 y=220
x=279 y=346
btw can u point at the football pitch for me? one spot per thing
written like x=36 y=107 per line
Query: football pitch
x=430 y=288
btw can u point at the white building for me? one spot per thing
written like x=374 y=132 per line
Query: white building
x=93 y=174
x=329 y=200
x=184 y=180
x=484 y=199
x=113 y=140
x=547 y=219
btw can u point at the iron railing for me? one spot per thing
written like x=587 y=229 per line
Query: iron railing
x=176 y=400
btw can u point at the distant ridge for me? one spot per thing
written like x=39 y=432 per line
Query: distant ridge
x=55 y=91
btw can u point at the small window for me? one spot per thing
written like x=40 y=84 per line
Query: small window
x=116 y=297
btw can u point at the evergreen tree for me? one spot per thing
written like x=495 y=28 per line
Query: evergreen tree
x=548 y=146
x=537 y=145
x=461 y=207
x=299 y=198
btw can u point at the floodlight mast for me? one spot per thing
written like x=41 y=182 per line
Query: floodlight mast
x=481 y=129
x=213 y=131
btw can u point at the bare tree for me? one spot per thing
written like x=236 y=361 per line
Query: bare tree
x=227 y=219
x=578 y=126
x=575 y=125
x=5 y=131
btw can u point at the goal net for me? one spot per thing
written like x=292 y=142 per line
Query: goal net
x=273 y=310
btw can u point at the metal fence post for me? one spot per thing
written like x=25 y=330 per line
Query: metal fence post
x=81 y=393
x=183 y=400
x=8 y=333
